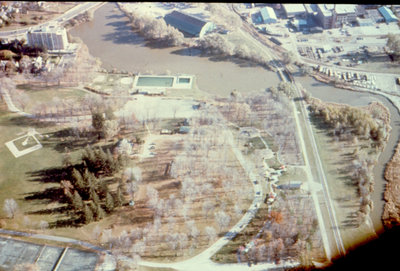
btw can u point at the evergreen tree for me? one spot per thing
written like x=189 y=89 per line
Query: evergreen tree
x=77 y=202
x=111 y=163
x=101 y=160
x=100 y=214
x=87 y=215
x=119 y=198
x=89 y=158
x=69 y=197
x=77 y=179
x=98 y=121
x=93 y=196
x=102 y=189
x=109 y=202
x=89 y=178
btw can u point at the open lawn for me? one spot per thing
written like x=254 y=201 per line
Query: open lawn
x=341 y=157
x=39 y=95
x=336 y=157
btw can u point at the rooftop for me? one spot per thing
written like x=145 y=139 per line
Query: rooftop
x=294 y=8
x=345 y=8
x=387 y=14
x=268 y=13
x=187 y=23
x=325 y=9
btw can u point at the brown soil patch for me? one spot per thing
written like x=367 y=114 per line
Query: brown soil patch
x=391 y=212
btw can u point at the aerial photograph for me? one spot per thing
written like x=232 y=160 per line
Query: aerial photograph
x=194 y=136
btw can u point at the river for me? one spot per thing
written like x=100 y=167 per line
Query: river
x=110 y=38
x=331 y=94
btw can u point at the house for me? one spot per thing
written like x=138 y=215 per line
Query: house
x=268 y=15
x=188 y=24
x=184 y=130
x=387 y=14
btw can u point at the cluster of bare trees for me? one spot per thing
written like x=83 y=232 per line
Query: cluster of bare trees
x=288 y=232
x=345 y=118
x=269 y=111
x=217 y=44
x=154 y=29
x=361 y=173
x=224 y=16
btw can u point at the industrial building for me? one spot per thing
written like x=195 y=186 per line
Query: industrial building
x=299 y=24
x=294 y=10
x=268 y=15
x=50 y=37
x=374 y=15
x=365 y=22
x=343 y=14
x=188 y=24
x=324 y=15
x=387 y=14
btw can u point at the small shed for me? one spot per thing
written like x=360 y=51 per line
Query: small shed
x=293 y=185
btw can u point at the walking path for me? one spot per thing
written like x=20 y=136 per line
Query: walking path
x=202 y=261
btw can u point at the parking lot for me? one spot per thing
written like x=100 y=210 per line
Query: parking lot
x=14 y=252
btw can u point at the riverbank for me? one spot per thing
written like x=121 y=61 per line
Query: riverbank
x=387 y=193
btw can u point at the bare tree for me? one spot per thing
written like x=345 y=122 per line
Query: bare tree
x=182 y=240
x=110 y=128
x=211 y=233
x=10 y=207
x=207 y=207
x=222 y=219
x=152 y=194
x=172 y=240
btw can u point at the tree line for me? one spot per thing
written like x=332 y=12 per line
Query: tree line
x=345 y=118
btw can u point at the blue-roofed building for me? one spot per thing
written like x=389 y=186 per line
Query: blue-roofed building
x=268 y=15
x=388 y=14
x=188 y=24
x=299 y=24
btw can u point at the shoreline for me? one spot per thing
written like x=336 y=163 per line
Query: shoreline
x=386 y=216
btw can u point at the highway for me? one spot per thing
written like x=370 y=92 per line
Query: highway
x=60 y=19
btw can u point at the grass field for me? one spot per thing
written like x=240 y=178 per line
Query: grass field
x=40 y=95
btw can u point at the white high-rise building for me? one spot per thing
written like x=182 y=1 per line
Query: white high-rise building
x=51 y=37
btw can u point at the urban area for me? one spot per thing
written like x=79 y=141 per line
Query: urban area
x=196 y=136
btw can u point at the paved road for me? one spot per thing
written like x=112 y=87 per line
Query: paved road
x=321 y=177
x=202 y=261
x=60 y=19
